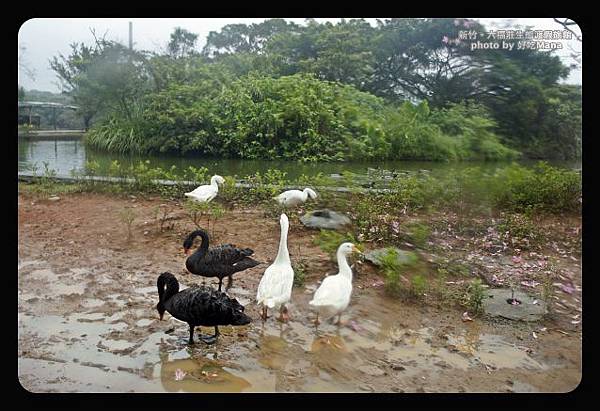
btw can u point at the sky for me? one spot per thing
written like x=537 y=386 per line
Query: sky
x=40 y=39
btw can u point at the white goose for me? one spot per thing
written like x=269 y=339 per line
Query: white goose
x=207 y=192
x=275 y=287
x=292 y=198
x=333 y=295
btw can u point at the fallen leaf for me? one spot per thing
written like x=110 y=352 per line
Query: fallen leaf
x=465 y=316
x=534 y=334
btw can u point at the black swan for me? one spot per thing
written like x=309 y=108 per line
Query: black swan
x=220 y=261
x=198 y=306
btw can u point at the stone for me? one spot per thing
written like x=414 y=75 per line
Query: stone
x=402 y=257
x=326 y=219
x=496 y=304
x=54 y=198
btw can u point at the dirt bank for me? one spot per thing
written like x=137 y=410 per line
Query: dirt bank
x=87 y=318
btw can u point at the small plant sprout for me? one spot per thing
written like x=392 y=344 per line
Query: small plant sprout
x=127 y=216
x=474 y=296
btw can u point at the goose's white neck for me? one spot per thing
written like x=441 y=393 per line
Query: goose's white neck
x=283 y=255
x=345 y=269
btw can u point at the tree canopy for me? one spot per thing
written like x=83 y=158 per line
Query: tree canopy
x=513 y=97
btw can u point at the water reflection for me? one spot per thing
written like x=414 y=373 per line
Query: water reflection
x=201 y=375
x=71 y=154
x=61 y=155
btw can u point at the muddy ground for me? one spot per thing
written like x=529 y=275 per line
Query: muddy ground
x=87 y=320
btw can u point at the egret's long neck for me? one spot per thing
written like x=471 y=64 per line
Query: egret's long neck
x=283 y=255
x=345 y=269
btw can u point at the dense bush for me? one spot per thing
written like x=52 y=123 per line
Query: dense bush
x=544 y=188
x=295 y=117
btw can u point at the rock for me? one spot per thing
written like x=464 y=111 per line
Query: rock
x=403 y=257
x=54 y=198
x=496 y=304
x=325 y=219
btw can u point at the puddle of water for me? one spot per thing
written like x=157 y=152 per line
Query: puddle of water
x=144 y=322
x=262 y=357
x=92 y=303
x=26 y=263
x=146 y=290
x=117 y=345
x=42 y=376
x=89 y=317
x=44 y=274
x=53 y=287
x=201 y=376
x=79 y=271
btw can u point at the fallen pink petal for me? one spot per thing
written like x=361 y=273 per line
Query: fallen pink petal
x=567 y=288
x=179 y=374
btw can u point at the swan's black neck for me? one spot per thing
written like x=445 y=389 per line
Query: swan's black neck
x=168 y=280
x=203 y=248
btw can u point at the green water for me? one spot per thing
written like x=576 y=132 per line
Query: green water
x=64 y=155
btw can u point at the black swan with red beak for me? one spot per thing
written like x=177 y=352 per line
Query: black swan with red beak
x=221 y=261
x=198 y=306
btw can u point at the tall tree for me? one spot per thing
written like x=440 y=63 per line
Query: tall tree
x=102 y=77
x=182 y=43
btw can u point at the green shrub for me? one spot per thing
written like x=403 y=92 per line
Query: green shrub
x=295 y=117
x=474 y=296
x=544 y=188
x=419 y=285
x=394 y=270
x=417 y=233
x=330 y=240
x=299 y=273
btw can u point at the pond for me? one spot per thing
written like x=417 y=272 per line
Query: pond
x=64 y=155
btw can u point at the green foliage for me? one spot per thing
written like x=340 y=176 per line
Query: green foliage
x=394 y=269
x=300 y=268
x=292 y=117
x=520 y=231
x=544 y=188
x=474 y=296
x=315 y=92
x=418 y=285
x=330 y=240
x=417 y=233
